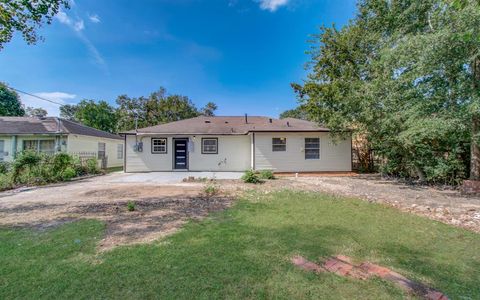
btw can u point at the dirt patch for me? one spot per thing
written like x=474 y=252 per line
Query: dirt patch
x=159 y=209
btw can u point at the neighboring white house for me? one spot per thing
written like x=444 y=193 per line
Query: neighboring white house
x=236 y=144
x=52 y=135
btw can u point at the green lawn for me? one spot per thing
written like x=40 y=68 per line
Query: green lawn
x=244 y=253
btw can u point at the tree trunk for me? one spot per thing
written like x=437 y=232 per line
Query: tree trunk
x=475 y=147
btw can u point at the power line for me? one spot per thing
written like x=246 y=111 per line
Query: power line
x=41 y=98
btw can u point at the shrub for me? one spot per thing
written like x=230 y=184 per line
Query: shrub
x=5 y=182
x=25 y=161
x=210 y=190
x=131 y=206
x=92 y=166
x=5 y=167
x=267 y=174
x=62 y=161
x=68 y=173
x=251 y=177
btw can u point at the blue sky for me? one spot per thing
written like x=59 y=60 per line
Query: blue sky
x=240 y=54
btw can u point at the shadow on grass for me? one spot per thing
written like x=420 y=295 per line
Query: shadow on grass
x=243 y=253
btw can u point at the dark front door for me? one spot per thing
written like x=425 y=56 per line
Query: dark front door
x=180 y=159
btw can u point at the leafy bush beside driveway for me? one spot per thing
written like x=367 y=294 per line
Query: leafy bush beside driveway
x=31 y=168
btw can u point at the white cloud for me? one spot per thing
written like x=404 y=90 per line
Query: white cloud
x=94 y=18
x=51 y=108
x=272 y=5
x=78 y=26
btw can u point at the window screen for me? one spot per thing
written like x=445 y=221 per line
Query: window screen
x=279 y=144
x=119 y=151
x=312 y=148
x=101 y=150
x=159 y=145
x=209 y=145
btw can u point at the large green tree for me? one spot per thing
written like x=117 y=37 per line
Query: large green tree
x=26 y=16
x=299 y=112
x=36 y=112
x=68 y=111
x=10 y=104
x=99 y=115
x=404 y=75
x=157 y=108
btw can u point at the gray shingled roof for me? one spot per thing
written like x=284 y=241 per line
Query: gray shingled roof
x=232 y=126
x=49 y=125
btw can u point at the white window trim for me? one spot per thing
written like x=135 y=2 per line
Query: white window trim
x=162 y=151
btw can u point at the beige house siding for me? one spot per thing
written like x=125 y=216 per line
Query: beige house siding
x=333 y=156
x=146 y=161
x=73 y=144
x=233 y=154
x=77 y=144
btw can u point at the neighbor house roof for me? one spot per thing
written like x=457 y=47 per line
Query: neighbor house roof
x=49 y=125
x=231 y=126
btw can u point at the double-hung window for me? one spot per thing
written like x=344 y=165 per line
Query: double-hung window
x=279 y=144
x=312 y=148
x=119 y=151
x=209 y=146
x=102 y=151
x=159 y=146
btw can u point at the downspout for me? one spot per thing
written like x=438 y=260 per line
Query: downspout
x=125 y=153
x=253 y=152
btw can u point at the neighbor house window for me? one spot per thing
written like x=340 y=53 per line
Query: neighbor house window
x=279 y=144
x=101 y=150
x=312 y=148
x=119 y=151
x=40 y=146
x=209 y=146
x=159 y=145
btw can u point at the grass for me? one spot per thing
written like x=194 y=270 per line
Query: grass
x=243 y=253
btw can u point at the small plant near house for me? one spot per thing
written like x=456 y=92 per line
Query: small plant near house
x=267 y=174
x=92 y=166
x=251 y=176
x=131 y=206
x=4 y=167
x=211 y=190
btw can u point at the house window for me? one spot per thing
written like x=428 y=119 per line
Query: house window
x=40 y=146
x=101 y=150
x=312 y=148
x=209 y=146
x=119 y=151
x=279 y=144
x=159 y=145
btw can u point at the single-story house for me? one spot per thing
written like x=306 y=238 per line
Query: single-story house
x=236 y=144
x=52 y=135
